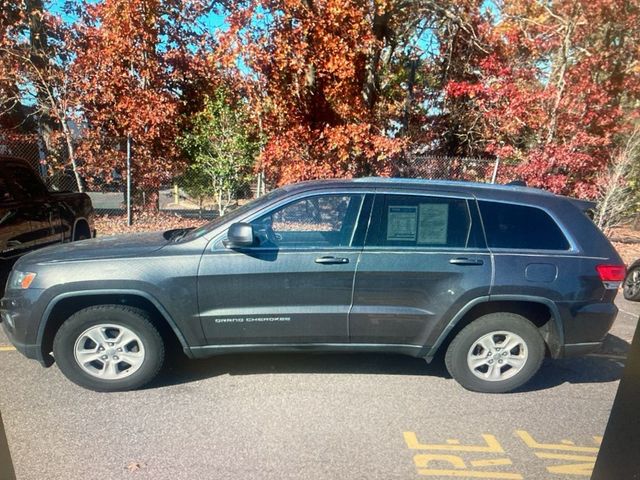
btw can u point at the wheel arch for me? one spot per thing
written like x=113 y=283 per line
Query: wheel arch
x=64 y=305
x=80 y=224
x=542 y=312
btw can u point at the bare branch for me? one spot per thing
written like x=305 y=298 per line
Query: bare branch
x=615 y=205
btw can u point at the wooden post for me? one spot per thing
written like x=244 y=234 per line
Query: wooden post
x=618 y=456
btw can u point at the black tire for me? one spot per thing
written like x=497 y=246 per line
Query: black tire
x=631 y=285
x=81 y=232
x=136 y=321
x=531 y=355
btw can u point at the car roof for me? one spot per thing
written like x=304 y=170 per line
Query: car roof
x=482 y=191
x=419 y=183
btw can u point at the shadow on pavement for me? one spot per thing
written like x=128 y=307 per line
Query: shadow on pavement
x=180 y=370
x=575 y=370
x=183 y=370
x=615 y=346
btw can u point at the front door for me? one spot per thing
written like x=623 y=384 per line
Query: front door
x=294 y=286
x=424 y=258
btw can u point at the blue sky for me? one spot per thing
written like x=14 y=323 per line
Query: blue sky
x=217 y=21
x=213 y=21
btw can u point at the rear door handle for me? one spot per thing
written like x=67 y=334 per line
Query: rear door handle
x=466 y=261
x=332 y=260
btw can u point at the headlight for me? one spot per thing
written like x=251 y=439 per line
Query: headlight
x=20 y=280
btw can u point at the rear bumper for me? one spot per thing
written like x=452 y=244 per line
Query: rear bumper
x=586 y=325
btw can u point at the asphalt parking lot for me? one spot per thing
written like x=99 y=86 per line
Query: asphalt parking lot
x=312 y=416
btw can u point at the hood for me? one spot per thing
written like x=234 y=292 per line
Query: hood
x=117 y=246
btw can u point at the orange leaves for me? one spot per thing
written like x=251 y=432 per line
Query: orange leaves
x=341 y=151
x=140 y=68
x=310 y=60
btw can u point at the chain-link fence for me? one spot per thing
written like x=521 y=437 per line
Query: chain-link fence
x=187 y=196
x=440 y=167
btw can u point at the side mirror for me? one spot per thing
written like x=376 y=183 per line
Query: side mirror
x=239 y=235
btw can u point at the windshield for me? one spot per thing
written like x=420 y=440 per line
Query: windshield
x=237 y=213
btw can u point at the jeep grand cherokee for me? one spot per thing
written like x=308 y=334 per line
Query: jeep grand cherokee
x=496 y=277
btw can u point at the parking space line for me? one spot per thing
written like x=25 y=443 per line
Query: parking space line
x=7 y=348
x=626 y=313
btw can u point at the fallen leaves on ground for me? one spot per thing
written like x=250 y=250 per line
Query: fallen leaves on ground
x=142 y=222
x=134 y=466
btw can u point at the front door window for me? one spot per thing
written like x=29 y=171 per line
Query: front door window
x=313 y=222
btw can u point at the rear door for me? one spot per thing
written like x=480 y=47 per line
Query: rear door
x=424 y=258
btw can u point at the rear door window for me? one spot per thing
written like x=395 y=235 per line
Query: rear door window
x=421 y=221
x=521 y=227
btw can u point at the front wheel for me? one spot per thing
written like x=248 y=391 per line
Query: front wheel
x=631 y=285
x=496 y=353
x=109 y=348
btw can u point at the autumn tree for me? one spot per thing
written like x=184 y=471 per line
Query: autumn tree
x=549 y=90
x=314 y=81
x=36 y=50
x=142 y=67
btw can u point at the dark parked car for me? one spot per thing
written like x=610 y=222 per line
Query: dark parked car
x=31 y=217
x=495 y=276
x=631 y=285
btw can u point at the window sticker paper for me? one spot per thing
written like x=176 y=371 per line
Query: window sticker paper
x=433 y=223
x=402 y=223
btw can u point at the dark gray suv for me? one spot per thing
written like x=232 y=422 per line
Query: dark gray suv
x=495 y=276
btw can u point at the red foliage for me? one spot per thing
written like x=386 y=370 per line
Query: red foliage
x=551 y=92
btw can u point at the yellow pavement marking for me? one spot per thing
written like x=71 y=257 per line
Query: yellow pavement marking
x=7 y=348
x=491 y=462
x=470 y=474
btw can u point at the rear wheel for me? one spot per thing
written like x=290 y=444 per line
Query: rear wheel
x=496 y=353
x=109 y=348
x=631 y=286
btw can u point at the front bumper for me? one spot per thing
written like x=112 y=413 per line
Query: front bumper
x=28 y=350
x=18 y=324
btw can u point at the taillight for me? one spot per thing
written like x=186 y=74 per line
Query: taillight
x=611 y=273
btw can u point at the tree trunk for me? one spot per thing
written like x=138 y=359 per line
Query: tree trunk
x=562 y=60
x=71 y=152
x=39 y=53
x=371 y=86
x=411 y=79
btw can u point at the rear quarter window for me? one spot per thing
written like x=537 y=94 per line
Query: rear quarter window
x=521 y=227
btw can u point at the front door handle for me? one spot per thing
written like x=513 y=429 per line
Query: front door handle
x=466 y=261
x=332 y=260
